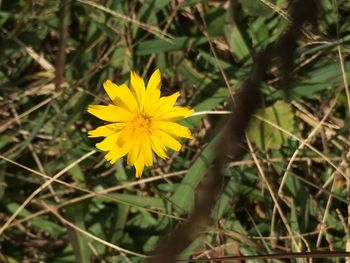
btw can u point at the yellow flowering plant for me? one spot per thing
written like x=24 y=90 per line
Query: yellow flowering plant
x=142 y=122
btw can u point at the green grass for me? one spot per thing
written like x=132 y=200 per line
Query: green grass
x=95 y=212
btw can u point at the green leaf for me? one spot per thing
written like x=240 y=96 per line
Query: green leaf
x=267 y=137
x=120 y=223
x=255 y=7
x=3 y=17
x=75 y=213
x=77 y=175
x=224 y=203
x=215 y=18
x=159 y=45
x=324 y=76
x=296 y=189
x=143 y=220
x=7 y=259
x=144 y=201
x=235 y=39
x=46 y=225
x=294 y=219
x=183 y=199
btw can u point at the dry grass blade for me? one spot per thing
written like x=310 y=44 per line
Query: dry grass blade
x=296 y=152
x=336 y=167
x=273 y=196
x=150 y=28
x=8 y=123
x=100 y=240
x=301 y=255
x=91 y=194
x=42 y=187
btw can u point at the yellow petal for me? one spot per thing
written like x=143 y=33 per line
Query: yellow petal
x=114 y=151
x=168 y=140
x=173 y=128
x=153 y=91
x=120 y=95
x=115 y=154
x=146 y=150
x=158 y=147
x=177 y=113
x=140 y=148
x=106 y=130
x=126 y=136
x=167 y=102
x=137 y=87
x=110 y=113
x=111 y=89
x=134 y=152
x=139 y=166
x=108 y=143
x=155 y=82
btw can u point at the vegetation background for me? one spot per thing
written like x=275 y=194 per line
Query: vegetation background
x=288 y=193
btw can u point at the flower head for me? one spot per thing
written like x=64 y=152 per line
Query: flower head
x=142 y=122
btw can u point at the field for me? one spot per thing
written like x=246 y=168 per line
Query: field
x=265 y=173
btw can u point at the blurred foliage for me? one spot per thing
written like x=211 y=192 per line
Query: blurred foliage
x=264 y=135
x=45 y=129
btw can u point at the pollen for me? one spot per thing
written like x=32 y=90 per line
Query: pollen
x=142 y=123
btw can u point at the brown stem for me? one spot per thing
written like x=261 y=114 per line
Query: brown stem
x=246 y=102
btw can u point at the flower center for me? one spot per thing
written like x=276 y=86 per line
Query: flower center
x=142 y=123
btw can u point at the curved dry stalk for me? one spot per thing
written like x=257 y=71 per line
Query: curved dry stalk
x=91 y=194
x=295 y=154
x=42 y=187
x=273 y=196
x=88 y=234
x=4 y=126
x=306 y=144
x=149 y=28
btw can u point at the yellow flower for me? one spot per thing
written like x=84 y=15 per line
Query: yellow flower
x=142 y=122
